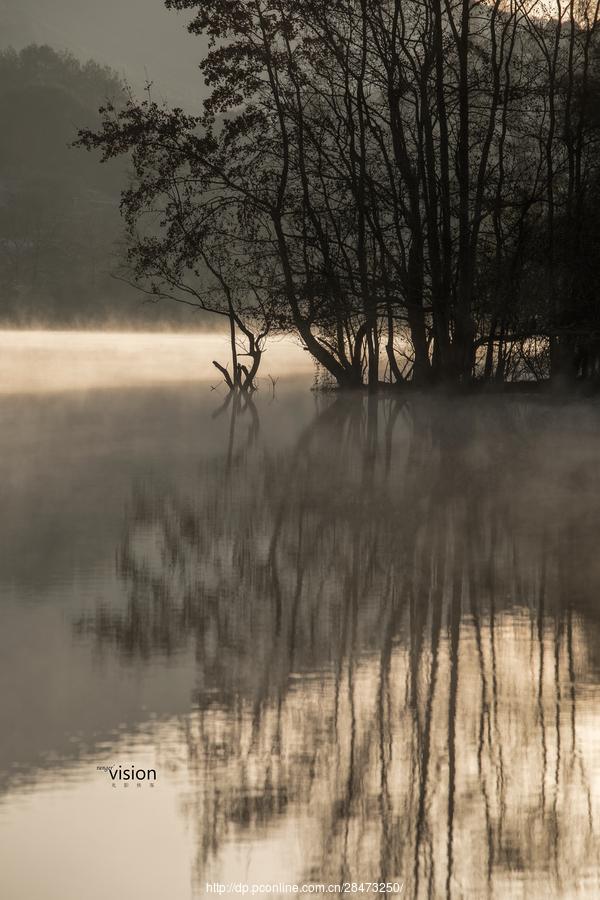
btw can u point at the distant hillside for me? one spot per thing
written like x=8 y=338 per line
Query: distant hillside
x=59 y=208
x=137 y=38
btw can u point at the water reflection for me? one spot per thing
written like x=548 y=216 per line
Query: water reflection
x=396 y=634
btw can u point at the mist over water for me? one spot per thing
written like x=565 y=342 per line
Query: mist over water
x=45 y=361
x=357 y=639
x=300 y=430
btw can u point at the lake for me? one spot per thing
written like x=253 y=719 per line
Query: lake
x=339 y=640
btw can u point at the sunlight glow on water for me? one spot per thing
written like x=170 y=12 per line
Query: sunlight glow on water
x=54 y=361
x=356 y=639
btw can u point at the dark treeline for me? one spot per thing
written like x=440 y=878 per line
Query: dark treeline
x=59 y=211
x=410 y=187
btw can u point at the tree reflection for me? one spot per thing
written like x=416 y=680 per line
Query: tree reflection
x=392 y=622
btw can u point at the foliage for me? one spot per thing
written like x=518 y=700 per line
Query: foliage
x=374 y=176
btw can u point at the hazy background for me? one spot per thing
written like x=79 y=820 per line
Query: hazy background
x=60 y=229
x=138 y=38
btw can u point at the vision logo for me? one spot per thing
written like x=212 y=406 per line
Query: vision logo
x=129 y=775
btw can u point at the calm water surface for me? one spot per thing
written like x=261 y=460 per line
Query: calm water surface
x=355 y=640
